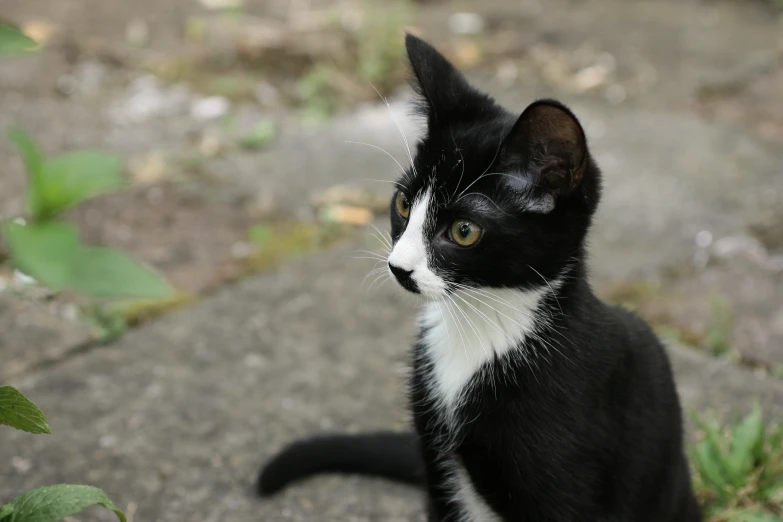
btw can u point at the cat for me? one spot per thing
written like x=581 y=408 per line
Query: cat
x=532 y=400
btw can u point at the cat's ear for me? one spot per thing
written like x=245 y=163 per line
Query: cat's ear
x=547 y=148
x=442 y=88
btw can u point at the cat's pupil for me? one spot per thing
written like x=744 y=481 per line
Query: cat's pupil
x=464 y=229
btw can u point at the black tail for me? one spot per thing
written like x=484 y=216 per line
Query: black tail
x=384 y=454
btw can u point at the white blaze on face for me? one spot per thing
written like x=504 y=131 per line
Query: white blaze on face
x=410 y=252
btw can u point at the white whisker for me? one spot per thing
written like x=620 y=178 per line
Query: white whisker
x=550 y=288
x=402 y=169
x=399 y=127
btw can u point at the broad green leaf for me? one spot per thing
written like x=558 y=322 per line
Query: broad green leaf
x=50 y=252
x=33 y=160
x=103 y=272
x=52 y=503
x=709 y=468
x=14 y=41
x=21 y=413
x=44 y=251
x=748 y=435
x=75 y=176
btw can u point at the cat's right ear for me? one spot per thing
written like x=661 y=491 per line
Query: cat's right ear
x=547 y=149
x=441 y=87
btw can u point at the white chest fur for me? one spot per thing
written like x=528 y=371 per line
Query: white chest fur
x=473 y=327
x=464 y=332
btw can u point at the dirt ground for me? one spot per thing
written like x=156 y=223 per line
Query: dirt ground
x=178 y=86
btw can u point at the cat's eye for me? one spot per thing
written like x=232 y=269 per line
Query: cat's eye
x=403 y=205
x=464 y=232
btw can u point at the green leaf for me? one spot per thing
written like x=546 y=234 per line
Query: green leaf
x=33 y=160
x=103 y=272
x=21 y=413
x=75 y=176
x=14 y=41
x=52 y=503
x=50 y=252
x=748 y=435
x=709 y=468
x=44 y=251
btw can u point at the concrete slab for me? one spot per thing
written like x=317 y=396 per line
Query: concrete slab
x=175 y=419
x=33 y=334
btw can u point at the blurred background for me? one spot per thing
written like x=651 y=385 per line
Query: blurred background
x=251 y=135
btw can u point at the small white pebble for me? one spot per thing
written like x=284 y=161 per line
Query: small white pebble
x=21 y=465
x=209 y=108
x=704 y=239
x=466 y=23
x=23 y=278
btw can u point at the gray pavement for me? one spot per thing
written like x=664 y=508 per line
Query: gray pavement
x=175 y=419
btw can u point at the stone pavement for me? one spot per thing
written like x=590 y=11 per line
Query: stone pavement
x=175 y=418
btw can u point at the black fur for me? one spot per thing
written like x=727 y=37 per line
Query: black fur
x=587 y=426
x=399 y=459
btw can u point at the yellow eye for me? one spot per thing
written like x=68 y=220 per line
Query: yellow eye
x=465 y=233
x=403 y=205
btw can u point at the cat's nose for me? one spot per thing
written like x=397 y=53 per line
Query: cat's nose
x=402 y=275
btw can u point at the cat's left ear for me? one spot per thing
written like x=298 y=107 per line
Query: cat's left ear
x=547 y=149
x=443 y=90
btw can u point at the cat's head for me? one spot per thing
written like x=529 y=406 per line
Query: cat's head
x=493 y=198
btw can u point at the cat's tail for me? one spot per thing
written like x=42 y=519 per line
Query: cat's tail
x=389 y=455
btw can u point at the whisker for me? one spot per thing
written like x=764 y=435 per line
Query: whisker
x=386 y=241
x=493 y=297
x=380 y=149
x=499 y=312
x=472 y=327
x=374 y=271
x=550 y=288
x=460 y=330
x=497 y=152
x=462 y=160
x=482 y=177
x=490 y=321
x=442 y=318
x=399 y=127
x=383 y=277
x=378 y=259
x=397 y=183
x=370 y=252
x=488 y=198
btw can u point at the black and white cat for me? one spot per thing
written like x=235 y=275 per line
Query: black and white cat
x=532 y=400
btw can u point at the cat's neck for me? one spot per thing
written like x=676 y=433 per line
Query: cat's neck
x=472 y=327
